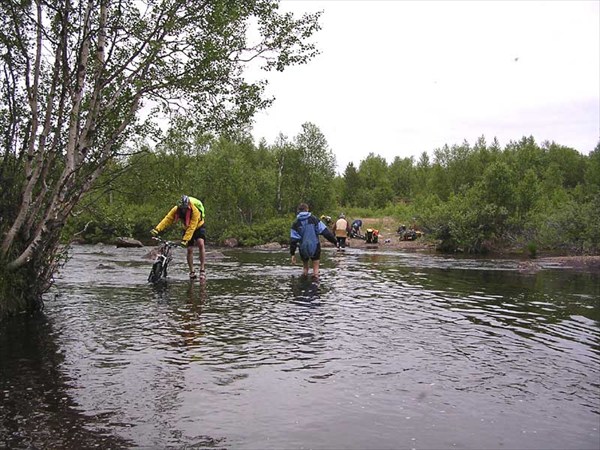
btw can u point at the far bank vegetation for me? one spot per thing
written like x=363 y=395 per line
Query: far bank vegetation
x=472 y=198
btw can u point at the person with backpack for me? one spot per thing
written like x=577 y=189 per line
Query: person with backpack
x=341 y=229
x=326 y=220
x=304 y=236
x=190 y=211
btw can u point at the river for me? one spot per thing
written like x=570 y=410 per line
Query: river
x=387 y=350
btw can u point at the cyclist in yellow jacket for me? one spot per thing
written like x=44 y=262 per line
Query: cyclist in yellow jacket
x=190 y=211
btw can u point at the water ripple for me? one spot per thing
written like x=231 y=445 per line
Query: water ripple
x=386 y=345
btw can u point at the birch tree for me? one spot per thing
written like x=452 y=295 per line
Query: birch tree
x=77 y=76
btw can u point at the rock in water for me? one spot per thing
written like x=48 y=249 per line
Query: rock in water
x=128 y=242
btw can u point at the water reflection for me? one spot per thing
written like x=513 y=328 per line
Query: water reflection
x=37 y=408
x=161 y=291
x=386 y=350
x=306 y=290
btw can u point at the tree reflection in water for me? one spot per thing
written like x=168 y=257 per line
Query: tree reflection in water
x=36 y=410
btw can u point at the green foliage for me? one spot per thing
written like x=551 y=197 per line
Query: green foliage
x=571 y=226
x=592 y=171
x=304 y=171
x=466 y=222
x=375 y=187
x=475 y=198
x=497 y=186
x=251 y=193
x=15 y=289
x=403 y=212
x=274 y=230
x=568 y=162
x=353 y=213
x=237 y=182
x=527 y=191
x=11 y=177
x=75 y=79
x=352 y=184
x=402 y=178
x=103 y=221
x=532 y=249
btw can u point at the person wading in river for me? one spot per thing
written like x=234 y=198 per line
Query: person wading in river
x=304 y=235
x=190 y=211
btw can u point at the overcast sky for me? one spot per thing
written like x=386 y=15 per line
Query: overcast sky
x=398 y=78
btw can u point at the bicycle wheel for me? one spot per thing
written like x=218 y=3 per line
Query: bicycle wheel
x=156 y=272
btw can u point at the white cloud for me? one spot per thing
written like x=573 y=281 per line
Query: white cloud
x=399 y=77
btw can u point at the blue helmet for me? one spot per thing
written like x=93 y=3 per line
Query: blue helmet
x=183 y=202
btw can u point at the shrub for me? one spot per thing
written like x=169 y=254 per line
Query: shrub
x=465 y=222
x=571 y=226
x=273 y=230
x=105 y=223
x=532 y=249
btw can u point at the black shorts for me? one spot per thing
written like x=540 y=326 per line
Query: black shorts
x=314 y=257
x=200 y=233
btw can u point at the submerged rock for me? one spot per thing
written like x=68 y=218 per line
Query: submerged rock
x=269 y=246
x=231 y=242
x=128 y=242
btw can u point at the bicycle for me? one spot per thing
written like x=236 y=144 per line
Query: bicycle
x=163 y=258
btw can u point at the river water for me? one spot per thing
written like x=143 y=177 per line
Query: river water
x=387 y=350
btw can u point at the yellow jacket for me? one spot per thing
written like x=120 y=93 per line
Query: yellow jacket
x=192 y=220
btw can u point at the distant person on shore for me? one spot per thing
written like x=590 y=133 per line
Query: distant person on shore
x=341 y=229
x=190 y=211
x=355 y=231
x=326 y=220
x=304 y=236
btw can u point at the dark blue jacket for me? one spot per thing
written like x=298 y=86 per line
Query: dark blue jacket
x=305 y=233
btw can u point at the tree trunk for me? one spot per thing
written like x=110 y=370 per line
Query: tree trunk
x=75 y=73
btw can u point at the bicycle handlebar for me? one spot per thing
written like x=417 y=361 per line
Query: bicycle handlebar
x=168 y=243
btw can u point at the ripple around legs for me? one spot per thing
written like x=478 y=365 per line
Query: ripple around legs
x=385 y=350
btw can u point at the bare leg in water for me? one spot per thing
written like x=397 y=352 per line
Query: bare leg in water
x=190 y=256
x=316 y=268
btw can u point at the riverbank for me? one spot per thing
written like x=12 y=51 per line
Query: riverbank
x=579 y=263
x=389 y=239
